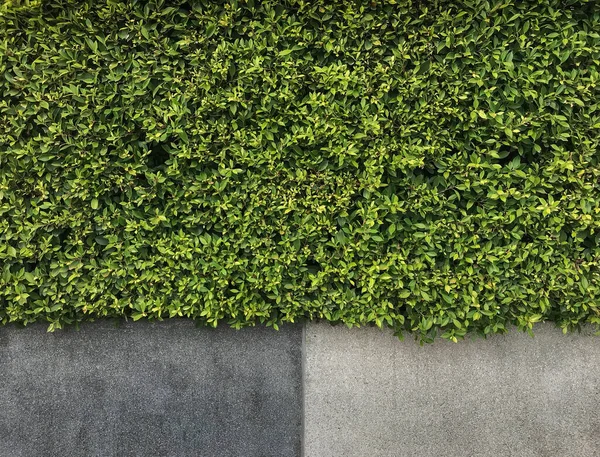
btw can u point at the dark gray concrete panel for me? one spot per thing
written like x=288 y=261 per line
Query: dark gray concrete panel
x=150 y=389
x=368 y=394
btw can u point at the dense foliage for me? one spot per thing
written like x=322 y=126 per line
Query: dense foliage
x=428 y=165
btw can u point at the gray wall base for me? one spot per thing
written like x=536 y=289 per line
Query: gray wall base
x=163 y=389
x=367 y=394
x=170 y=389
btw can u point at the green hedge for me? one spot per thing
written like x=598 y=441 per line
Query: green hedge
x=428 y=165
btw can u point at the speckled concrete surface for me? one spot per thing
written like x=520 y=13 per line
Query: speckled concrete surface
x=166 y=389
x=368 y=394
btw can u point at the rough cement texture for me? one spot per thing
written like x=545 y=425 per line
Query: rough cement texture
x=150 y=389
x=368 y=394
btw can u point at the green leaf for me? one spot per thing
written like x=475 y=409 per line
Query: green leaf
x=184 y=136
x=423 y=67
x=210 y=29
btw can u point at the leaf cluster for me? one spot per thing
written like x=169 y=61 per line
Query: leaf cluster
x=432 y=166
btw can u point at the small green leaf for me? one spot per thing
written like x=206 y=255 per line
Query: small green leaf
x=184 y=136
x=210 y=29
x=101 y=240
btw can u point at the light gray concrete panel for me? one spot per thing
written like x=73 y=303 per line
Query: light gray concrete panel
x=150 y=389
x=369 y=394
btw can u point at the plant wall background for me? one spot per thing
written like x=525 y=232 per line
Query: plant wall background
x=428 y=165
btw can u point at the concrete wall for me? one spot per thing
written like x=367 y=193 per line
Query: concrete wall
x=170 y=389
x=370 y=395
x=164 y=389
